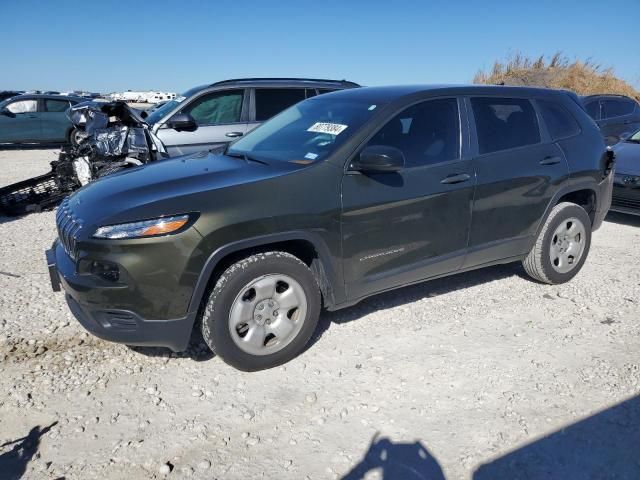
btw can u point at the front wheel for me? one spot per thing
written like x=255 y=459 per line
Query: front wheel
x=76 y=136
x=262 y=311
x=562 y=245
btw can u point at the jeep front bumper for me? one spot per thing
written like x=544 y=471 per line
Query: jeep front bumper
x=112 y=324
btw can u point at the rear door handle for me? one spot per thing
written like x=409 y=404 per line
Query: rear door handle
x=550 y=160
x=234 y=134
x=456 y=178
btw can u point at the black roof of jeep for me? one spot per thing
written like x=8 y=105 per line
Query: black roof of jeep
x=392 y=93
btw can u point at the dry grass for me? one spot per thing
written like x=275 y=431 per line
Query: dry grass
x=583 y=77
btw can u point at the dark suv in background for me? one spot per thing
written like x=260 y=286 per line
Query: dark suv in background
x=339 y=197
x=209 y=116
x=616 y=115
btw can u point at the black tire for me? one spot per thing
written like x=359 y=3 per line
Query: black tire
x=216 y=316
x=75 y=137
x=538 y=263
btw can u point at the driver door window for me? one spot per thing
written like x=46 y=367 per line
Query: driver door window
x=217 y=108
x=427 y=133
x=23 y=106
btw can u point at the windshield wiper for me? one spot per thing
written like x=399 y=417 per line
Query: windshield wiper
x=245 y=157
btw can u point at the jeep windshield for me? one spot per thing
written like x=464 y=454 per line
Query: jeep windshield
x=307 y=132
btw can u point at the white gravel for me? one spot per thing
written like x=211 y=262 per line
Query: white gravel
x=452 y=374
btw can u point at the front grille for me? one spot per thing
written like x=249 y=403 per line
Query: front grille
x=68 y=228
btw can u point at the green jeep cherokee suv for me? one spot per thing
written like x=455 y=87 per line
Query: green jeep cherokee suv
x=341 y=196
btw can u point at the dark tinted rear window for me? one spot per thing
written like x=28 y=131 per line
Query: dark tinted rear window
x=560 y=122
x=271 y=101
x=617 y=108
x=504 y=123
x=56 y=105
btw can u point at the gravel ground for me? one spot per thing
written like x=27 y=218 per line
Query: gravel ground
x=481 y=375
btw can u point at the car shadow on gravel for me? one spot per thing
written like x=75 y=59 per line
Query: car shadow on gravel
x=419 y=291
x=13 y=463
x=5 y=219
x=604 y=445
x=29 y=146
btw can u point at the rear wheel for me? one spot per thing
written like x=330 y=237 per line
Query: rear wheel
x=562 y=245
x=262 y=311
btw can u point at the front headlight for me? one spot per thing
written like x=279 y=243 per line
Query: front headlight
x=145 y=228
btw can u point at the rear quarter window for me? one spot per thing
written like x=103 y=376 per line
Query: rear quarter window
x=559 y=121
x=504 y=123
x=617 y=108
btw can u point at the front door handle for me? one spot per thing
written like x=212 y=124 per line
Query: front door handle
x=550 y=160
x=234 y=134
x=456 y=178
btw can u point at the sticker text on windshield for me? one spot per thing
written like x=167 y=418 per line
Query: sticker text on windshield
x=330 y=128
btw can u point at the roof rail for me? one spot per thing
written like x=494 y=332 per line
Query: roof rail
x=607 y=95
x=343 y=82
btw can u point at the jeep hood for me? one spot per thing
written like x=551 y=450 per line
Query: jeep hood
x=167 y=187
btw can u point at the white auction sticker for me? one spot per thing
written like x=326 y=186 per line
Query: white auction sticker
x=330 y=128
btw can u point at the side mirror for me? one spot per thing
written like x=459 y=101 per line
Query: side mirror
x=182 y=122
x=378 y=159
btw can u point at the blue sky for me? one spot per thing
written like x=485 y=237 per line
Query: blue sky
x=173 y=45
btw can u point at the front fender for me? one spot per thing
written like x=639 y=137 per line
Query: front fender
x=331 y=283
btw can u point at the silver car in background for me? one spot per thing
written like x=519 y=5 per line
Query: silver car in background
x=213 y=115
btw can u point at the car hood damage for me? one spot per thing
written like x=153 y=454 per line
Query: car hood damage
x=111 y=136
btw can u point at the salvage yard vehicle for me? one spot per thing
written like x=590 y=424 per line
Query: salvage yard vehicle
x=37 y=119
x=337 y=198
x=626 y=182
x=211 y=116
x=617 y=115
x=111 y=137
x=4 y=94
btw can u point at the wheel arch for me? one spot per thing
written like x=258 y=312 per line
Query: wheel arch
x=583 y=194
x=308 y=247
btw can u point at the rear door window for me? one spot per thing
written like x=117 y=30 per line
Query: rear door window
x=217 y=108
x=504 y=123
x=616 y=108
x=55 y=105
x=271 y=101
x=560 y=122
x=23 y=106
